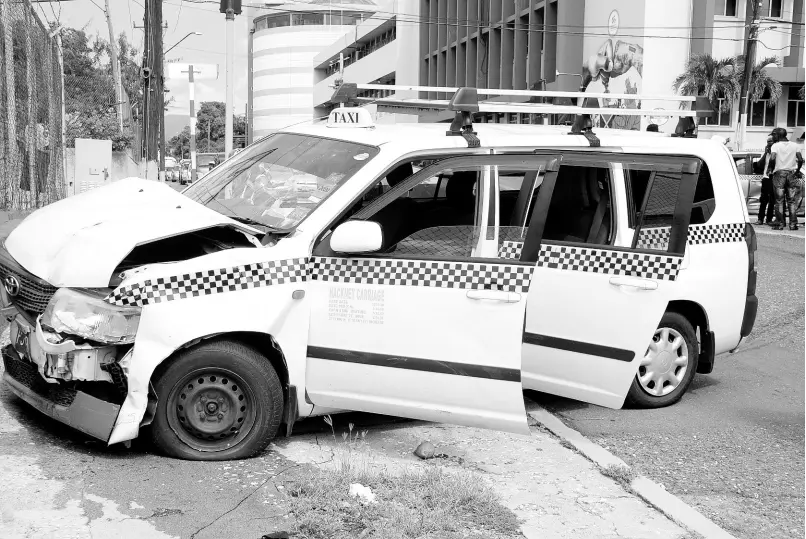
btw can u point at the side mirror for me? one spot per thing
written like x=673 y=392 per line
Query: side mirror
x=357 y=237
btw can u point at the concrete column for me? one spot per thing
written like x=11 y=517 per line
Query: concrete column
x=795 y=58
x=570 y=14
x=702 y=26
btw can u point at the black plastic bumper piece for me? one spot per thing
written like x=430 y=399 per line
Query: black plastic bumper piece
x=750 y=311
x=77 y=409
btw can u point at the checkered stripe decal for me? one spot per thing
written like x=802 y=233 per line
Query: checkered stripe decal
x=435 y=274
x=510 y=250
x=654 y=238
x=658 y=238
x=646 y=266
x=699 y=234
x=208 y=282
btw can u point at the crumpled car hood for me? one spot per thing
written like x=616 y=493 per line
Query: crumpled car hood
x=79 y=241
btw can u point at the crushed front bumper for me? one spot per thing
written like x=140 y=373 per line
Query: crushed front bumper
x=77 y=409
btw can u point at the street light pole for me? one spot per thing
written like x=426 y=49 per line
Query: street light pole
x=230 y=8
x=181 y=40
x=230 y=23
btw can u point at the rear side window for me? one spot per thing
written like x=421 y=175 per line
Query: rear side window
x=704 y=199
x=652 y=197
x=581 y=209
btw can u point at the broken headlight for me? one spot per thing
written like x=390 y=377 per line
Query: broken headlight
x=81 y=313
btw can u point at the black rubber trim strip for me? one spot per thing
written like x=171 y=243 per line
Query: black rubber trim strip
x=415 y=364
x=580 y=347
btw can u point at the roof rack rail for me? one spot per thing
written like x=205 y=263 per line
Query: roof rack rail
x=465 y=103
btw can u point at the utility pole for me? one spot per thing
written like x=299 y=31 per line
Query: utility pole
x=153 y=92
x=749 y=64
x=230 y=8
x=113 y=52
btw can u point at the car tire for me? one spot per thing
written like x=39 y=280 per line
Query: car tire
x=666 y=371
x=219 y=400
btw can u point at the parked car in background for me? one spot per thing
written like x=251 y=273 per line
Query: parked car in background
x=750 y=181
x=184 y=172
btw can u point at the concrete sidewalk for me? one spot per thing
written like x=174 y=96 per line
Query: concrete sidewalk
x=555 y=491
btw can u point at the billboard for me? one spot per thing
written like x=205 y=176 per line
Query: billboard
x=613 y=56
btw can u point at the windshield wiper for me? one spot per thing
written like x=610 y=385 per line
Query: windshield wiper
x=252 y=222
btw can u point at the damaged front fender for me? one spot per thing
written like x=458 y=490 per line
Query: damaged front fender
x=262 y=301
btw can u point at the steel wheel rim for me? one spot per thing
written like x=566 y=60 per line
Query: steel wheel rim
x=665 y=363
x=211 y=409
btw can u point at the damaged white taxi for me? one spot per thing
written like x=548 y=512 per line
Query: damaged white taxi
x=429 y=271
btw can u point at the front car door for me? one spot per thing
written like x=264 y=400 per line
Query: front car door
x=593 y=308
x=431 y=327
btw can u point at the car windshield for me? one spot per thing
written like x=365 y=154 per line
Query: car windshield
x=279 y=180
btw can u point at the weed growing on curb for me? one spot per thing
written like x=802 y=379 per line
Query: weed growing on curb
x=620 y=474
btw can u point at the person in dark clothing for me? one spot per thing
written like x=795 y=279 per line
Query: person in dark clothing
x=766 y=209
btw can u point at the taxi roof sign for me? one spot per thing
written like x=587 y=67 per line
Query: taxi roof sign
x=346 y=117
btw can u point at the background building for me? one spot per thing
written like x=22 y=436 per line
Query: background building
x=284 y=39
x=617 y=46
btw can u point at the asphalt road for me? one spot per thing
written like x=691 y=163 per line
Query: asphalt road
x=734 y=446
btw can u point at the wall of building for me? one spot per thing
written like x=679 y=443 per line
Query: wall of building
x=282 y=83
x=780 y=39
x=395 y=61
x=665 y=56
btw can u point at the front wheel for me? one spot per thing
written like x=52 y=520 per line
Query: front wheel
x=668 y=367
x=219 y=400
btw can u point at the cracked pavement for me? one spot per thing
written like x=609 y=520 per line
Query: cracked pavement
x=58 y=483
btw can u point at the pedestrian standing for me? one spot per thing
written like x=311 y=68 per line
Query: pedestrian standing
x=766 y=208
x=785 y=164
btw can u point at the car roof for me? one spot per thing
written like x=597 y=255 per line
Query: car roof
x=433 y=136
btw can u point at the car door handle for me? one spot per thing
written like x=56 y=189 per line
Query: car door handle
x=634 y=282
x=494 y=295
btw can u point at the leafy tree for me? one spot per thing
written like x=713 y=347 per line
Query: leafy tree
x=179 y=145
x=212 y=113
x=90 y=96
x=706 y=76
x=761 y=82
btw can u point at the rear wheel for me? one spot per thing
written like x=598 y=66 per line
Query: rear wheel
x=217 y=401
x=668 y=367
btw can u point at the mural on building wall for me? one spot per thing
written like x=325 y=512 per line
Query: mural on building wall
x=614 y=58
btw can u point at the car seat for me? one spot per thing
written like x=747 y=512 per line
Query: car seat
x=399 y=218
x=460 y=201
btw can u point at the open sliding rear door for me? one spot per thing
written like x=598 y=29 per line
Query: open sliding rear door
x=593 y=308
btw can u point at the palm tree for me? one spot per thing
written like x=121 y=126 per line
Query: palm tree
x=761 y=82
x=715 y=79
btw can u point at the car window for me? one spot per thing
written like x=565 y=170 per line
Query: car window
x=581 y=209
x=278 y=181
x=428 y=226
x=660 y=205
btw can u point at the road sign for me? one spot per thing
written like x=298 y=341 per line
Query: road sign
x=200 y=71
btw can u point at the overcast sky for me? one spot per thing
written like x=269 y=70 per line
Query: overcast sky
x=182 y=17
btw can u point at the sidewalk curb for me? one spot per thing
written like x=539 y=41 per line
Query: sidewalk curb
x=770 y=232
x=652 y=493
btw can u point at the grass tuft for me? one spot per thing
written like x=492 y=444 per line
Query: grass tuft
x=620 y=474
x=428 y=504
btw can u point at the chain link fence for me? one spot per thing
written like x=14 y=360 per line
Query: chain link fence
x=31 y=152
